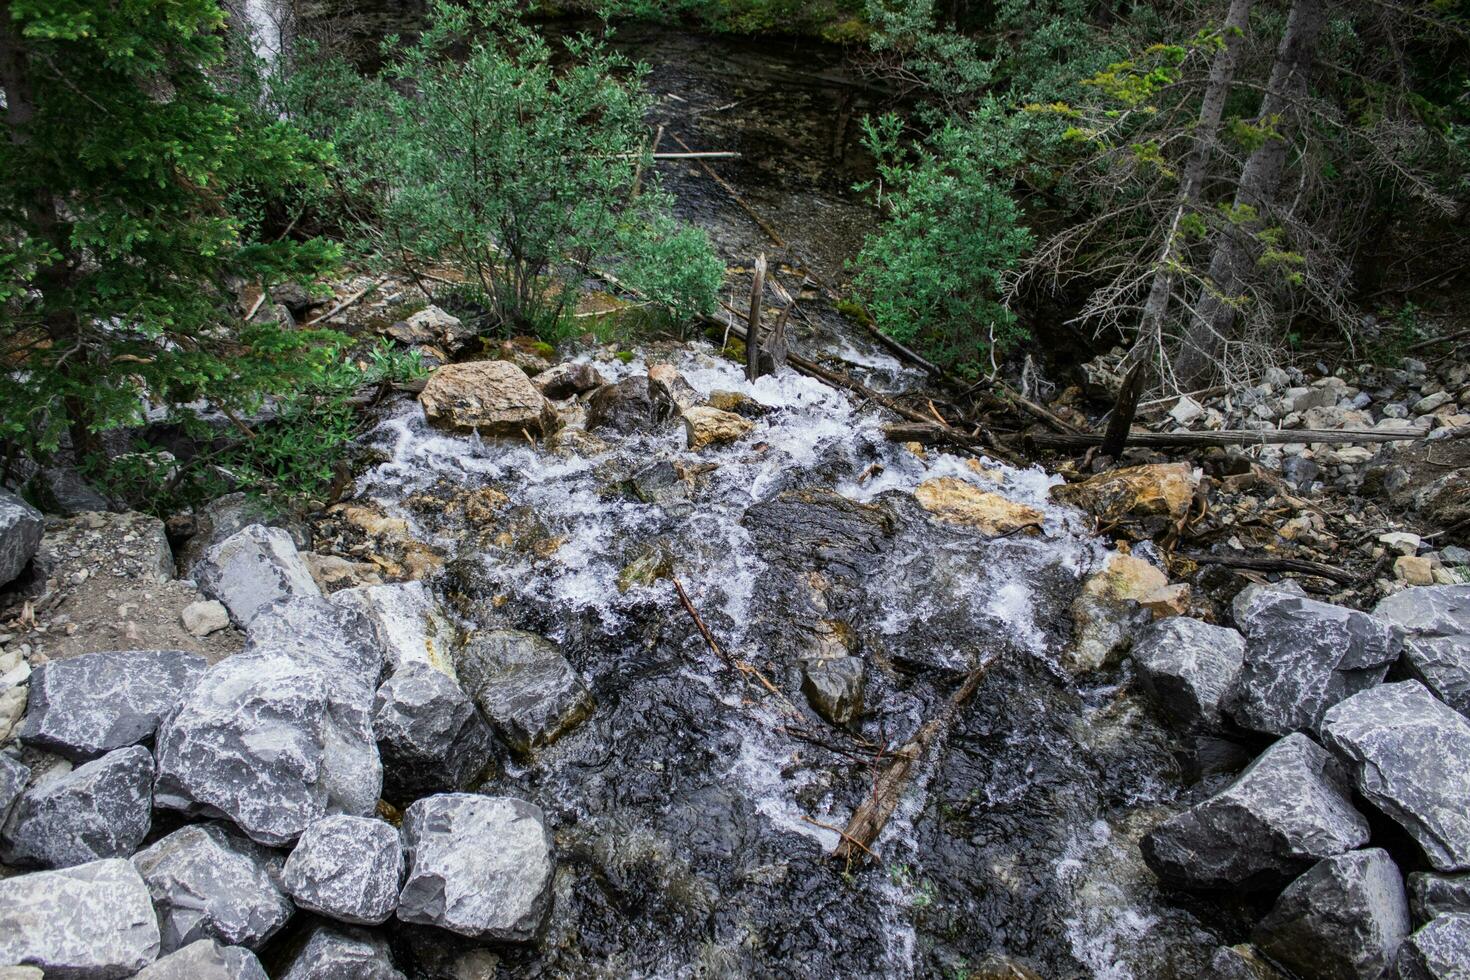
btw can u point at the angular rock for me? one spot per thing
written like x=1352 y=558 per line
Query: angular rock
x=205 y=960
x=333 y=635
x=1246 y=599
x=251 y=569
x=432 y=325
x=410 y=625
x=210 y=882
x=956 y=502
x=340 y=953
x=1158 y=489
x=834 y=686
x=1344 y=918
x=525 y=686
x=93 y=921
x=430 y=735
x=226 y=516
x=1243 y=962
x=85 y=706
x=99 y=810
x=625 y=407
x=21 y=526
x=480 y=866
x=1432 y=894
x=706 y=426
x=1437 y=648
x=346 y=868
x=62 y=490
x=13 y=779
x=1304 y=656
x=672 y=395
x=1286 y=811
x=1439 y=951
x=1187 y=667
x=1410 y=755
x=568 y=380
x=494 y=398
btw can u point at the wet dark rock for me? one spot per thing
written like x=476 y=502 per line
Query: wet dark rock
x=568 y=380
x=84 y=706
x=661 y=483
x=1410 y=756
x=205 y=960
x=346 y=868
x=1439 y=951
x=430 y=735
x=21 y=526
x=1188 y=667
x=340 y=953
x=1432 y=894
x=13 y=779
x=525 y=686
x=1208 y=755
x=102 y=809
x=1287 y=810
x=93 y=921
x=62 y=490
x=251 y=569
x=1437 y=649
x=1304 y=656
x=1243 y=962
x=479 y=866
x=209 y=882
x=626 y=407
x=821 y=530
x=1344 y=918
x=834 y=687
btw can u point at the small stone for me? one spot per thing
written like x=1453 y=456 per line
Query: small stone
x=102 y=809
x=1433 y=894
x=210 y=882
x=1439 y=951
x=1414 y=571
x=1410 y=755
x=93 y=921
x=1344 y=918
x=480 y=866
x=1186 y=410
x=21 y=527
x=205 y=617
x=525 y=686
x=1402 y=542
x=1170 y=600
x=493 y=398
x=955 y=501
x=672 y=395
x=205 y=960
x=430 y=735
x=1188 y=667
x=341 y=953
x=252 y=569
x=1429 y=403
x=346 y=868
x=834 y=687
x=706 y=426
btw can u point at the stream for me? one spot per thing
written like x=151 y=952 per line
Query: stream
x=688 y=818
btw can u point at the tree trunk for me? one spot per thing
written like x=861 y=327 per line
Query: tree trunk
x=1255 y=194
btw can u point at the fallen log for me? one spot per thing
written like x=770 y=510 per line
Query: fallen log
x=1299 y=565
x=1231 y=437
x=869 y=819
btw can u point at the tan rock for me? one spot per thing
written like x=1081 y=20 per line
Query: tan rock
x=709 y=426
x=493 y=397
x=733 y=401
x=666 y=384
x=957 y=502
x=1414 y=570
x=333 y=572
x=1105 y=611
x=1171 y=600
x=1158 y=489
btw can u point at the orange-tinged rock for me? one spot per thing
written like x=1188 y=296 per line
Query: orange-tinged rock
x=1157 y=489
x=956 y=502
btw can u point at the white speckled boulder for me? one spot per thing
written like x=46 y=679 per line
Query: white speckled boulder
x=1437 y=650
x=210 y=882
x=411 y=627
x=347 y=868
x=1439 y=951
x=102 y=809
x=342 y=953
x=1410 y=756
x=525 y=686
x=480 y=866
x=84 y=706
x=430 y=735
x=251 y=569
x=1188 y=667
x=1286 y=811
x=93 y=921
x=21 y=526
x=205 y=960
x=13 y=779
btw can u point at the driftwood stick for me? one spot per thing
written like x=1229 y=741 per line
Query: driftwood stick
x=872 y=815
x=753 y=321
x=740 y=666
x=259 y=301
x=725 y=185
x=346 y=302
x=1299 y=565
x=1233 y=437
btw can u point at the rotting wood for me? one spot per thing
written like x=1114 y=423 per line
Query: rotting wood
x=1232 y=437
x=1299 y=565
x=1120 y=426
x=873 y=813
x=753 y=322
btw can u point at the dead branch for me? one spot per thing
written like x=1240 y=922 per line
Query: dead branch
x=1299 y=565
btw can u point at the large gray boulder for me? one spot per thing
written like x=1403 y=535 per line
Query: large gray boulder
x=210 y=882
x=1433 y=894
x=625 y=407
x=1286 y=811
x=1437 y=650
x=251 y=569
x=1439 y=951
x=525 y=686
x=1410 y=756
x=410 y=626
x=21 y=527
x=480 y=866
x=430 y=735
x=340 y=953
x=224 y=516
x=493 y=398
x=93 y=921
x=205 y=959
x=102 y=809
x=280 y=736
x=1344 y=918
x=1188 y=667
x=13 y=779
x=346 y=868
x=84 y=706
x=1304 y=656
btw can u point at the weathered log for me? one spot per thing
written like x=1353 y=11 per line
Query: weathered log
x=1120 y=426
x=1299 y=565
x=1232 y=437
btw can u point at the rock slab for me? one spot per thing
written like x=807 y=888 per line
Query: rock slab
x=251 y=569
x=93 y=921
x=21 y=527
x=102 y=809
x=346 y=868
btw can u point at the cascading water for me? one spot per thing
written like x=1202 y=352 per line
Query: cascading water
x=687 y=815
